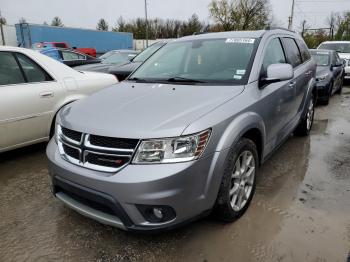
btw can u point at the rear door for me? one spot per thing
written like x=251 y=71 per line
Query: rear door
x=301 y=75
x=28 y=95
x=309 y=69
x=337 y=71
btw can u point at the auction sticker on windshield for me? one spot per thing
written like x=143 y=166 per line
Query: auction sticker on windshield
x=240 y=40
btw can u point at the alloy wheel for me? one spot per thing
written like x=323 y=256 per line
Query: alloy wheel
x=242 y=180
x=310 y=115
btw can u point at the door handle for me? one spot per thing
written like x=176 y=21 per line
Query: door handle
x=292 y=84
x=46 y=94
x=308 y=73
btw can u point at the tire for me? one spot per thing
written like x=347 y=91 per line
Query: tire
x=52 y=128
x=305 y=125
x=235 y=182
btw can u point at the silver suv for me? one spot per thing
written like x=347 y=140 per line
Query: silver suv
x=185 y=134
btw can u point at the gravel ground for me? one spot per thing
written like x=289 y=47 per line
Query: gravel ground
x=301 y=210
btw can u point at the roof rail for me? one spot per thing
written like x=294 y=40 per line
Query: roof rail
x=278 y=28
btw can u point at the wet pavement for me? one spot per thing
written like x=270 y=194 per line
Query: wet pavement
x=300 y=212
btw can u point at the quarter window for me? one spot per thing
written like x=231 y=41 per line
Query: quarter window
x=32 y=71
x=10 y=72
x=292 y=52
x=274 y=55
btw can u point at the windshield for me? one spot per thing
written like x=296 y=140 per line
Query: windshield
x=202 y=60
x=145 y=54
x=321 y=58
x=104 y=56
x=339 y=47
x=118 y=58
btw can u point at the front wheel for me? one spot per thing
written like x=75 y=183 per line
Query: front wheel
x=305 y=125
x=238 y=183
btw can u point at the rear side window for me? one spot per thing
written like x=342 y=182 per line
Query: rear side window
x=10 y=72
x=274 y=55
x=292 y=51
x=53 y=54
x=32 y=71
x=304 y=50
x=68 y=56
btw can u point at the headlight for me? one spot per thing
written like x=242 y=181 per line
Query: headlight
x=172 y=150
x=322 y=77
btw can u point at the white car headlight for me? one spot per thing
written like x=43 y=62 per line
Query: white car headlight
x=322 y=77
x=172 y=150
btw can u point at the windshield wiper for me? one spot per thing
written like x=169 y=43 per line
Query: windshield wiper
x=184 y=79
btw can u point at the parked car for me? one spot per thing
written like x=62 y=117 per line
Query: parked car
x=123 y=71
x=186 y=133
x=70 y=58
x=330 y=74
x=48 y=45
x=118 y=57
x=33 y=87
x=343 y=50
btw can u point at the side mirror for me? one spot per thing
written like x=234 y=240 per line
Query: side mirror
x=277 y=73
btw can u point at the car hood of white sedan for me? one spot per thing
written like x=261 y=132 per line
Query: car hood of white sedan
x=145 y=110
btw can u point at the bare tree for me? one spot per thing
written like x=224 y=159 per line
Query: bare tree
x=304 y=27
x=102 y=25
x=56 y=21
x=2 y=20
x=240 y=14
x=22 y=20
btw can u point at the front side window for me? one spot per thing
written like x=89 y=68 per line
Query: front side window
x=203 y=60
x=321 y=58
x=32 y=71
x=10 y=72
x=292 y=52
x=68 y=56
x=274 y=55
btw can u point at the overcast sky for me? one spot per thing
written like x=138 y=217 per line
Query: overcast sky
x=85 y=13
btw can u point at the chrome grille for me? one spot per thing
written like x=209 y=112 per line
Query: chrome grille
x=106 y=154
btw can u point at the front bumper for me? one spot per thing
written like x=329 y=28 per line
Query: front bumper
x=189 y=188
x=322 y=90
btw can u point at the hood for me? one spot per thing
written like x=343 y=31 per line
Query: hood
x=127 y=68
x=322 y=70
x=344 y=56
x=100 y=67
x=144 y=110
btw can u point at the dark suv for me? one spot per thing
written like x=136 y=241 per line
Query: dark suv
x=185 y=134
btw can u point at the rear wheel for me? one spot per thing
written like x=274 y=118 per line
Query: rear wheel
x=238 y=183
x=305 y=125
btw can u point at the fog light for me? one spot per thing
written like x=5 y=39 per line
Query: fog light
x=157 y=214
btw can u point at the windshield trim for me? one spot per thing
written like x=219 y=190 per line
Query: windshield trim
x=231 y=82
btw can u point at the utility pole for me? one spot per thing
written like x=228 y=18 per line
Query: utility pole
x=2 y=30
x=290 y=19
x=146 y=23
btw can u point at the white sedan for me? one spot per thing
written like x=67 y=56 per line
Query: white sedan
x=33 y=87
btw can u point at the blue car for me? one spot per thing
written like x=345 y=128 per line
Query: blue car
x=69 y=57
x=330 y=73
